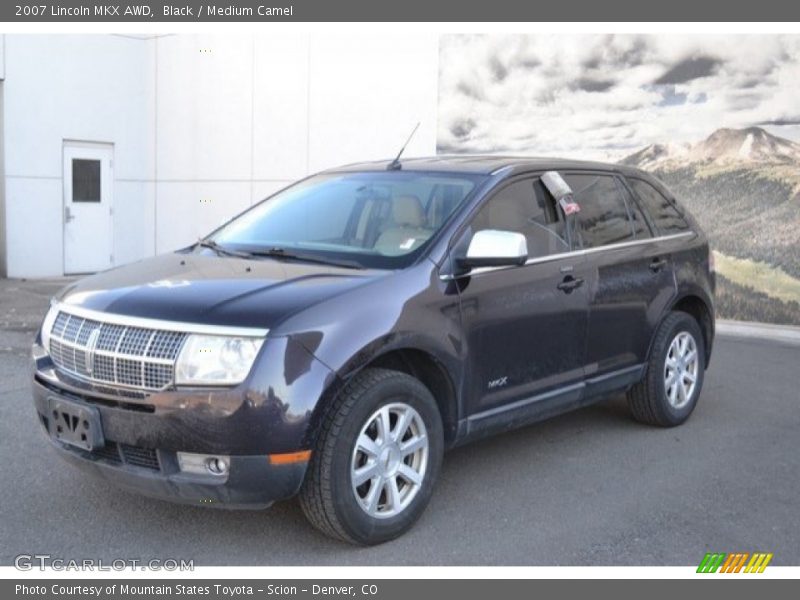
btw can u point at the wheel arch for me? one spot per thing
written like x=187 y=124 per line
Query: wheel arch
x=699 y=309
x=425 y=367
x=421 y=364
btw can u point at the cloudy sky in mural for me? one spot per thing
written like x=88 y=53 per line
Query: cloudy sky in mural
x=606 y=96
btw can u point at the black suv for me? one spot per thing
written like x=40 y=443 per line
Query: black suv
x=333 y=340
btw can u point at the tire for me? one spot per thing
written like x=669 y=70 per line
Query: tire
x=652 y=400
x=329 y=497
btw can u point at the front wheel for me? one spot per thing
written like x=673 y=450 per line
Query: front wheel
x=668 y=393
x=379 y=452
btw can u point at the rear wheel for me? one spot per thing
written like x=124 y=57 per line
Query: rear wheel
x=377 y=457
x=668 y=393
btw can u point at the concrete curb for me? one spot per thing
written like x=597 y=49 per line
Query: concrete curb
x=764 y=331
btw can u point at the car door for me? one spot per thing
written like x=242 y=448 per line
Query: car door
x=630 y=280
x=525 y=326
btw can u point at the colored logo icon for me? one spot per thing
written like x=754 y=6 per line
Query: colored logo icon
x=735 y=562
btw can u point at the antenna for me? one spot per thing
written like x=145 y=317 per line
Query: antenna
x=395 y=164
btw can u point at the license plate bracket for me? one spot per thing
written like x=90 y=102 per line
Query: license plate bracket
x=76 y=424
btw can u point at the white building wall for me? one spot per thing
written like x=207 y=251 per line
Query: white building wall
x=3 y=272
x=367 y=93
x=203 y=148
x=202 y=125
x=92 y=88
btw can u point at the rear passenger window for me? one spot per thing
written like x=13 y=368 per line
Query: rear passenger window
x=663 y=213
x=525 y=207
x=603 y=218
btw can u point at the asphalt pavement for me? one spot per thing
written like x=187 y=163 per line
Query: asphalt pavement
x=589 y=488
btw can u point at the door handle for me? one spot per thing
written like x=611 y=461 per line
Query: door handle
x=657 y=264
x=68 y=216
x=569 y=283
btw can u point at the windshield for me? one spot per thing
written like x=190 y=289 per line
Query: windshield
x=372 y=219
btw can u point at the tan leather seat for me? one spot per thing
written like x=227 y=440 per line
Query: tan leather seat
x=436 y=210
x=408 y=229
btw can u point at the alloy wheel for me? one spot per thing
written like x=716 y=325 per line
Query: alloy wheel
x=681 y=369
x=389 y=460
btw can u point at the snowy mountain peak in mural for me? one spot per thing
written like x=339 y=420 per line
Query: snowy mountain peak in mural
x=752 y=146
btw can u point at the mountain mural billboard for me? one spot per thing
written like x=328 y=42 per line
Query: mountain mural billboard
x=712 y=120
x=743 y=186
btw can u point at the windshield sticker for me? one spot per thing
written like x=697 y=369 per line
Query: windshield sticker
x=408 y=244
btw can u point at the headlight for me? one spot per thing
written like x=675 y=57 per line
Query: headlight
x=215 y=360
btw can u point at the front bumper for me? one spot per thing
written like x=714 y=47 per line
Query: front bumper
x=141 y=449
x=252 y=481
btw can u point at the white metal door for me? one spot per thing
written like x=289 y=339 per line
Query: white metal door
x=88 y=207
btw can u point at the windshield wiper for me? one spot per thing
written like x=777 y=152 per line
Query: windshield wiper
x=277 y=252
x=220 y=250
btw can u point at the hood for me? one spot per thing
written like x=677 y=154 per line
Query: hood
x=213 y=290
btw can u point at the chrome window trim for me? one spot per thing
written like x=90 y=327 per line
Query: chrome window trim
x=573 y=253
x=147 y=323
x=501 y=170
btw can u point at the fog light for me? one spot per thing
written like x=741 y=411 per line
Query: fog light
x=203 y=464
x=217 y=465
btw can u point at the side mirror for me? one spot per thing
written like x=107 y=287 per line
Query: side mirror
x=495 y=248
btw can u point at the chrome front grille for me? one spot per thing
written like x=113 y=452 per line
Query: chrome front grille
x=110 y=353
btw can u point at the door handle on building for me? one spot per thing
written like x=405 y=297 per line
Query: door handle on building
x=68 y=216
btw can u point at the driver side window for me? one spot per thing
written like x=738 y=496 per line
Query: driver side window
x=525 y=207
